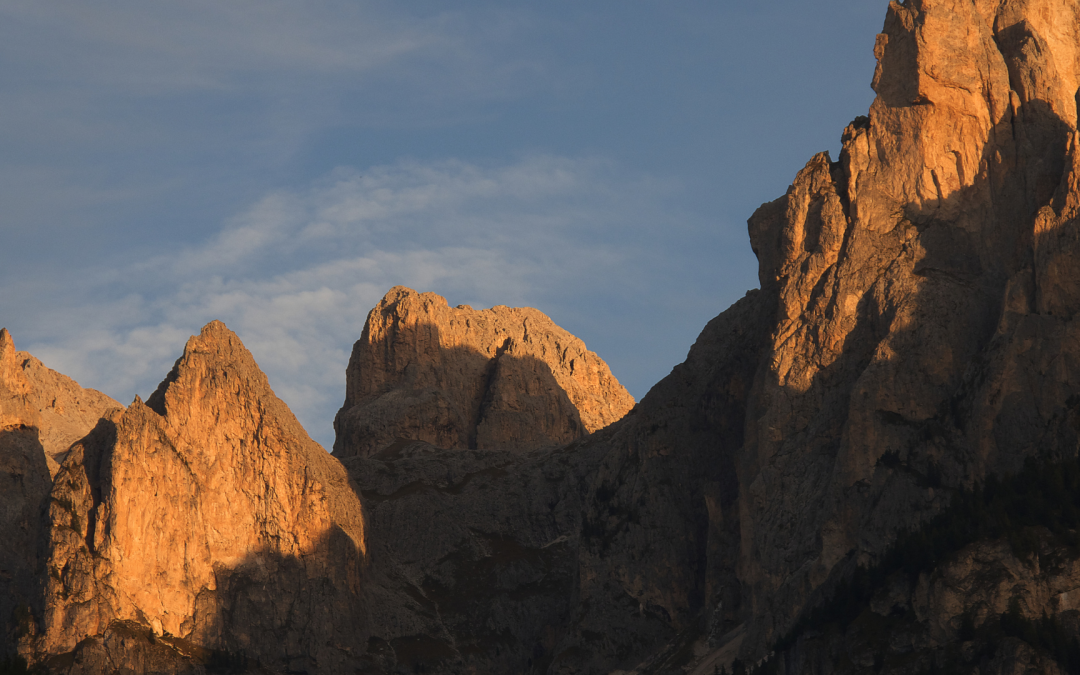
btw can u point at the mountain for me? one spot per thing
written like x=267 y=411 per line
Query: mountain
x=197 y=528
x=41 y=414
x=503 y=377
x=869 y=464
x=204 y=531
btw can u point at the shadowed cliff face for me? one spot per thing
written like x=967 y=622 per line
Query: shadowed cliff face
x=458 y=378
x=41 y=414
x=24 y=484
x=475 y=552
x=599 y=555
x=660 y=521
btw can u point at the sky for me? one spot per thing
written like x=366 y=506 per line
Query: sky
x=281 y=165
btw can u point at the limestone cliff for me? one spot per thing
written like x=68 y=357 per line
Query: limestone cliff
x=823 y=486
x=925 y=309
x=503 y=377
x=42 y=413
x=202 y=523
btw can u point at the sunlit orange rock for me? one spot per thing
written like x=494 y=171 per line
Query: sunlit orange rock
x=506 y=378
x=205 y=516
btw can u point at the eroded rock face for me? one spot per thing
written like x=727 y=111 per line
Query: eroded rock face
x=32 y=395
x=916 y=330
x=660 y=522
x=473 y=555
x=956 y=618
x=41 y=414
x=927 y=297
x=206 y=516
x=505 y=378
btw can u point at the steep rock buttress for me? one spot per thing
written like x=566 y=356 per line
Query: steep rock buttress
x=926 y=293
x=205 y=520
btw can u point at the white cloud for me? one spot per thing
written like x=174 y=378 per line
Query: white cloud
x=120 y=103
x=296 y=273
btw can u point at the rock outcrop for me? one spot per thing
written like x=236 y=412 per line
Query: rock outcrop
x=55 y=406
x=916 y=337
x=924 y=310
x=205 y=523
x=42 y=413
x=505 y=378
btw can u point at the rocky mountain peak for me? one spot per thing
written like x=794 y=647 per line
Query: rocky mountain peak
x=209 y=489
x=214 y=364
x=868 y=465
x=503 y=377
x=58 y=410
x=921 y=282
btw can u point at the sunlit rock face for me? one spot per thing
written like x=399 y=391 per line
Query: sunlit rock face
x=505 y=378
x=926 y=293
x=208 y=518
x=204 y=530
x=33 y=397
x=916 y=330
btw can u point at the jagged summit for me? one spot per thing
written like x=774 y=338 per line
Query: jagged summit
x=916 y=334
x=462 y=378
x=926 y=293
x=217 y=370
x=170 y=515
x=54 y=405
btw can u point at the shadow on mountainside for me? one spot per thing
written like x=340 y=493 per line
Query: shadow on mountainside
x=627 y=548
x=24 y=487
x=660 y=513
x=475 y=552
x=595 y=555
x=268 y=613
x=453 y=397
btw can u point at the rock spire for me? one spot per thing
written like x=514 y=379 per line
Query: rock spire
x=173 y=516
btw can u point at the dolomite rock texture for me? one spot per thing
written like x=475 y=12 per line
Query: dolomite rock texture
x=926 y=298
x=208 y=518
x=55 y=406
x=505 y=378
x=916 y=330
x=42 y=413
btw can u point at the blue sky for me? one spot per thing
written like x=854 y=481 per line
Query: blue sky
x=279 y=166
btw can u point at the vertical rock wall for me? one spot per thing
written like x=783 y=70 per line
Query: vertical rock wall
x=42 y=413
x=926 y=296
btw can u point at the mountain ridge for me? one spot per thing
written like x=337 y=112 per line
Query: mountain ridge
x=913 y=351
